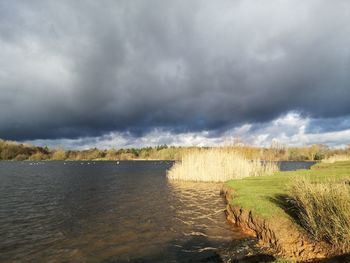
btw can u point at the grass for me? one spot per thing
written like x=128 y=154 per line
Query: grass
x=259 y=194
x=218 y=165
x=321 y=199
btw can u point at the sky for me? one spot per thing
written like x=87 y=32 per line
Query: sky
x=80 y=74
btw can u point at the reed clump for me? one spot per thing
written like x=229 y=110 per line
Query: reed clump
x=218 y=165
x=323 y=210
x=337 y=158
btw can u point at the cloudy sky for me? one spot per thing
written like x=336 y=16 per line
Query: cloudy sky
x=127 y=73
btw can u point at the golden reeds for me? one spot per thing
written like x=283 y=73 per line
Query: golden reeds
x=323 y=210
x=218 y=165
x=337 y=158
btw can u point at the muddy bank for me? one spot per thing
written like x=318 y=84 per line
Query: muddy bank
x=281 y=235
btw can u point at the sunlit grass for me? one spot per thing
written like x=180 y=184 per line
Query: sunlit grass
x=317 y=199
x=257 y=193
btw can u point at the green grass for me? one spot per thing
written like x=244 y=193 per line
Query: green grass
x=257 y=193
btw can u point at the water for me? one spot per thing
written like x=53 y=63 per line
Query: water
x=291 y=166
x=109 y=212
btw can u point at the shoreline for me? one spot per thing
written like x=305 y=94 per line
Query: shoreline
x=281 y=236
x=259 y=206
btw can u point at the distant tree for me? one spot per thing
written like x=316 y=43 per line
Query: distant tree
x=21 y=157
x=126 y=156
x=111 y=154
x=160 y=147
x=38 y=157
x=59 y=154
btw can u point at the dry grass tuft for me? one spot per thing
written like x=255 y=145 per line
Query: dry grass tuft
x=218 y=165
x=323 y=210
x=337 y=158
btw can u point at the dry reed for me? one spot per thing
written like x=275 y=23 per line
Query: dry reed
x=323 y=210
x=337 y=158
x=218 y=165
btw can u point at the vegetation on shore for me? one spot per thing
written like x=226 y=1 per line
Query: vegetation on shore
x=323 y=210
x=317 y=200
x=218 y=165
x=337 y=158
x=10 y=150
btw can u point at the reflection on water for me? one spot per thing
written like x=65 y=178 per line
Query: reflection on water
x=200 y=219
x=197 y=206
x=110 y=212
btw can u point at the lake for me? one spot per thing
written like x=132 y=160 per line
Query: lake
x=110 y=211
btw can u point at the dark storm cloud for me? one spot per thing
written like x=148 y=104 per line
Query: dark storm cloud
x=71 y=69
x=329 y=124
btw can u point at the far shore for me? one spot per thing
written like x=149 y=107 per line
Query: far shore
x=10 y=150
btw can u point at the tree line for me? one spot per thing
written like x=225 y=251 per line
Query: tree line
x=10 y=150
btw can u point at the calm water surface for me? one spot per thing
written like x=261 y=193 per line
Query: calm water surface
x=113 y=212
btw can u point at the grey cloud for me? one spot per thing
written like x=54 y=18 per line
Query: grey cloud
x=329 y=124
x=70 y=69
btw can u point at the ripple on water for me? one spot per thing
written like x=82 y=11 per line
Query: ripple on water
x=105 y=212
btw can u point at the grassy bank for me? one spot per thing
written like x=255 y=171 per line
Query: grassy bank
x=317 y=200
x=260 y=194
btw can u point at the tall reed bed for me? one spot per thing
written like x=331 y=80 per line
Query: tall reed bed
x=323 y=210
x=337 y=158
x=218 y=165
